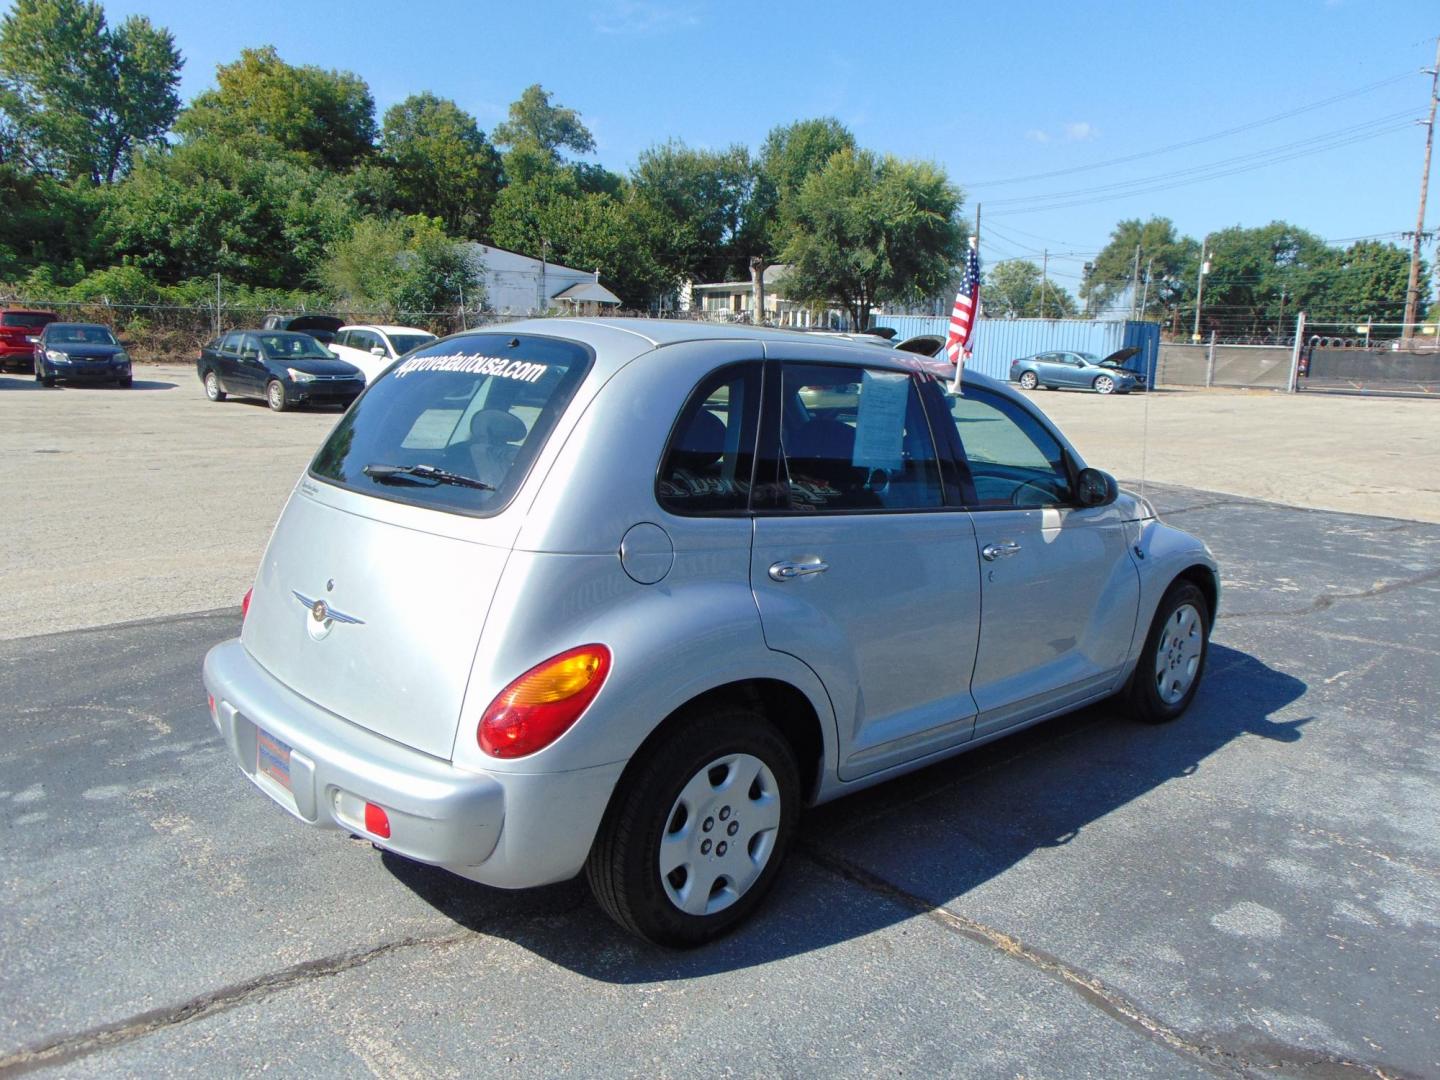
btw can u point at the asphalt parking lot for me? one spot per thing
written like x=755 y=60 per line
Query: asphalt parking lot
x=1252 y=891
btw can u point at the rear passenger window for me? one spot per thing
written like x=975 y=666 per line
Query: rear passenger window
x=706 y=468
x=854 y=439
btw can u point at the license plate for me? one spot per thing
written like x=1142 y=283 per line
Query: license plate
x=272 y=758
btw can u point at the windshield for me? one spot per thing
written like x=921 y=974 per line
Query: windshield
x=293 y=347
x=403 y=343
x=478 y=408
x=29 y=319
x=79 y=335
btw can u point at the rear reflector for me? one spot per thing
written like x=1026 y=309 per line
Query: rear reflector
x=377 y=822
x=245 y=604
x=541 y=705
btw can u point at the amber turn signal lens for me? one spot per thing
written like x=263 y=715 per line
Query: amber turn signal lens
x=541 y=705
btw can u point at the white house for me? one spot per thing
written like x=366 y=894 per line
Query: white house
x=516 y=284
x=734 y=301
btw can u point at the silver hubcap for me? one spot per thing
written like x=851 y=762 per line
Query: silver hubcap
x=212 y=385
x=1104 y=384
x=1177 y=654
x=720 y=834
x=277 y=395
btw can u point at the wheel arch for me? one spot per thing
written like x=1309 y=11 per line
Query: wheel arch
x=781 y=703
x=1204 y=579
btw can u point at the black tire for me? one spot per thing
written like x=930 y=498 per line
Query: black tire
x=624 y=864
x=1143 y=694
x=1029 y=380
x=212 y=386
x=275 y=395
x=127 y=382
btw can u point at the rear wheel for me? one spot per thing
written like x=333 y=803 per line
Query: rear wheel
x=696 y=835
x=276 y=397
x=212 y=387
x=1028 y=380
x=1173 y=660
x=1104 y=384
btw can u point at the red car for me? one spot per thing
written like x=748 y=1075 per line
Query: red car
x=17 y=327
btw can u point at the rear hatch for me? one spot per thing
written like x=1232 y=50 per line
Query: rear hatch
x=372 y=595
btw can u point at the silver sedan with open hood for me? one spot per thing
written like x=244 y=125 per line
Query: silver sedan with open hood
x=625 y=596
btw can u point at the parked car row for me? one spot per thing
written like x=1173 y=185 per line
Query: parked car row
x=1057 y=368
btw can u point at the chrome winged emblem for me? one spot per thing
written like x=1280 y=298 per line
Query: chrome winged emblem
x=322 y=612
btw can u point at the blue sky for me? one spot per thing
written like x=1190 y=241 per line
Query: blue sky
x=992 y=92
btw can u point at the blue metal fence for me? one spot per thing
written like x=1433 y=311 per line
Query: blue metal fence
x=998 y=341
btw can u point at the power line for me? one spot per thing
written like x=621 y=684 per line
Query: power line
x=1197 y=179
x=1201 y=139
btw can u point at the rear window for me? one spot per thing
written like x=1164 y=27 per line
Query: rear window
x=455 y=426
x=30 y=319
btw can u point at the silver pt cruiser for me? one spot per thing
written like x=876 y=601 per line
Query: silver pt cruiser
x=623 y=596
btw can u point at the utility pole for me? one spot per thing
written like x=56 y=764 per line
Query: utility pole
x=542 y=296
x=757 y=287
x=1412 y=289
x=1044 y=279
x=1135 y=282
x=217 y=303
x=1145 y=296
x=1200 y=286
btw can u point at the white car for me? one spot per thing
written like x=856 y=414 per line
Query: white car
x=372 y=347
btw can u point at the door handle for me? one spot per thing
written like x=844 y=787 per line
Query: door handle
x=785 y=571
x=1003 y=550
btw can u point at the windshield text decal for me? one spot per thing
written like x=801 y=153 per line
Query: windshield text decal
x=475 y=363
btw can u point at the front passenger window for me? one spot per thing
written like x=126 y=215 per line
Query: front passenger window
x=1013 y=458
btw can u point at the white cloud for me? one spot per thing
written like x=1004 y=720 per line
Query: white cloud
x=1036 y=135
x=1080 y=131
x=641 y=17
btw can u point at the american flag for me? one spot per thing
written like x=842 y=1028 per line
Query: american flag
x=962 y=316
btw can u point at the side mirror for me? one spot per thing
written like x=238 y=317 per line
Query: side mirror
x=379 y=351
x=1095 y=488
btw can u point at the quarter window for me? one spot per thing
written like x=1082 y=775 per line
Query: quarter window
x=707 y=466
x=1014 y=460
x=854 y=439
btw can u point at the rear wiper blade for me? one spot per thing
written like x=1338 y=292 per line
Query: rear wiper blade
x=424 y=472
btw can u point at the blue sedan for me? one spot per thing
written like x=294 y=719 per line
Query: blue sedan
x=1078 y=369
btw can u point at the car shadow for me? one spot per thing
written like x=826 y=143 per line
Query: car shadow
x=27 y=382
x=938 y=833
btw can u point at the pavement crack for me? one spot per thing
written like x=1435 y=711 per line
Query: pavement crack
x=1328 y=599
x=1253 y=1061
x=1092 y=990
x=92 y=1041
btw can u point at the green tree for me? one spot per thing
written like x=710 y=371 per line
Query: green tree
x=1260 y=277
x=239 y=207
x=866 y=230
x=550 y=213
x=45 y=222
x=79 y=96
x=1368 y=280
x=697 y=201
x=1013 y=290
x=536 y=122
x=443 y=166
x=1169 y=258
x=791 y=152
x=329 y=116
x=399 y=268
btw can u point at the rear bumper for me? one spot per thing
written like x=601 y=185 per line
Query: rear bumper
x=511 y=830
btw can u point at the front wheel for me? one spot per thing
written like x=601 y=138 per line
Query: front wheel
x=1169 y=669
x=276 y=397
x=1104 y=384
x=696 y=835
x=1028 y=380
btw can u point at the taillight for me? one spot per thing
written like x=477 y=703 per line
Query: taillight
x=245 y=604
x=541 y=705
